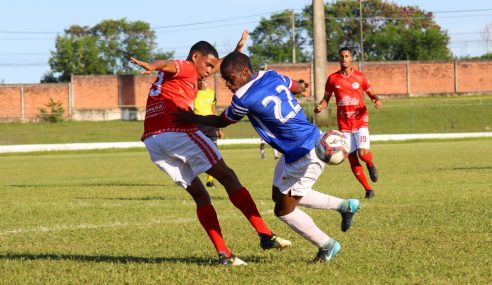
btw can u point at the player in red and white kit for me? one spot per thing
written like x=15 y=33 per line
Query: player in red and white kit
x=183 y=152
x=349 y=86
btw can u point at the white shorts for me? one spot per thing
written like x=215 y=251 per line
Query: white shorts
x=299 y=176
x=183 y=156
x=358 y=139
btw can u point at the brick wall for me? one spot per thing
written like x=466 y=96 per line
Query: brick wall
x=115 y=93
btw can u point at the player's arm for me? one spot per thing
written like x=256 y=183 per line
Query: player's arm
x=374 y=98
x=239 y=48
x=220 y=133
x=326 y=98
x=189 y=117
x=167 y=66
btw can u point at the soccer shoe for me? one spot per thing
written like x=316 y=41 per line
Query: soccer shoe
x=370 y=194
x=269 y=242
x=325 y=254
x=210 y=184
x=353 y=207
x=230 y=260
x=373 y=173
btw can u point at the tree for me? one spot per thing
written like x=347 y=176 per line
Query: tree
x=390 y=31
x=273 y=40
x=102 y=49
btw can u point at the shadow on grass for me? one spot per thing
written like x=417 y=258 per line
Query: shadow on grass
x=107 y=258
x=120 y=259
x=109 y=184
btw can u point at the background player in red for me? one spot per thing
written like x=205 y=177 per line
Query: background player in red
x=348 y=85
x=183 y=152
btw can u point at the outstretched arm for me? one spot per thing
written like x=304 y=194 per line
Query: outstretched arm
x=189 y=117
x=158 y=65
x=239 y=48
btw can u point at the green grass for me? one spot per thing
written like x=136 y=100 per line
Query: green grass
x=411 y=115
x=111 y=217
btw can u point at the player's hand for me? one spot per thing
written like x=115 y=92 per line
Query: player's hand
x=242 y=41
x=378 y=104
x=182 y=116
x=220 y=134
x=317 y=109
x=148 y=68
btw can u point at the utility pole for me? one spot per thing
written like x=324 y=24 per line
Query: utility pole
x=361 y=37
x=319 y=37
x=293 y=37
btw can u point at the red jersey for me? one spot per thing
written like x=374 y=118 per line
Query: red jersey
x=168 y=92
x=351 y=110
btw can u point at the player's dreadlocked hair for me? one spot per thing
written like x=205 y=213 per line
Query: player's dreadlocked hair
x=204 y=48
x=235 y=61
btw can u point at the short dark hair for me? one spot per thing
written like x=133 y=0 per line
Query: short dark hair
x=204 y=48
x=235 y=61
x=344 y=48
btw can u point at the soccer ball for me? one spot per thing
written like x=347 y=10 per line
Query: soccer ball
x=332 y=147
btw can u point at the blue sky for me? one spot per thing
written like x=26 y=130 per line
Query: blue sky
x=28 y=27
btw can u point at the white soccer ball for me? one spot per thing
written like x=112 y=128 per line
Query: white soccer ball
x=332 y=147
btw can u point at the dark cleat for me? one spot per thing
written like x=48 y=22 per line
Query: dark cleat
x=326 y=253
x=269 y=242
x=349 y=214
x=373 y=173
x=370 y=194
x=210 y=184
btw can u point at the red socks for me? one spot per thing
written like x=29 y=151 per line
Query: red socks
x=243 y=201
x=359 y=172
x=208 y=218
x=367 y=158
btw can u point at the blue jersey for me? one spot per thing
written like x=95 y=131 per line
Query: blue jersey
x=275 y=114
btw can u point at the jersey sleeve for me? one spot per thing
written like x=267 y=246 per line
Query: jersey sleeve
x=366 y=85
x=183 y=69
x=236 y=111
x=329 y=86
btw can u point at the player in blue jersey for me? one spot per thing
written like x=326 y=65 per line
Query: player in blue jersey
x=266 y=98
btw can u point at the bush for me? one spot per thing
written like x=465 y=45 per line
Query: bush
x=54 y=114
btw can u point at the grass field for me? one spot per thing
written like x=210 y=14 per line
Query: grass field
x=111 y=217
x=398 y=116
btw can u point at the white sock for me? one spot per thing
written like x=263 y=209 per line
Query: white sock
x=317 y=200
x=302 y=224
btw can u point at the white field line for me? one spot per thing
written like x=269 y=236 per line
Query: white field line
x=59 y=228
x=82 y=146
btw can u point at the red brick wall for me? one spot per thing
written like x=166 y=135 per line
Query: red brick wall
x=113 y=92
x=10 y=102
x=474 y=76
x=95 y=92
x=431 y=77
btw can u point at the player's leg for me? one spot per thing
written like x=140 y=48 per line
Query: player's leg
x=210 y=178
x=183 y=175
x=276 y=155
x=303 y=224
x=238 y=194
x=241 y=198
x=355 y=165
x=289 y=187
x=365 y=154
x=262 y=149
